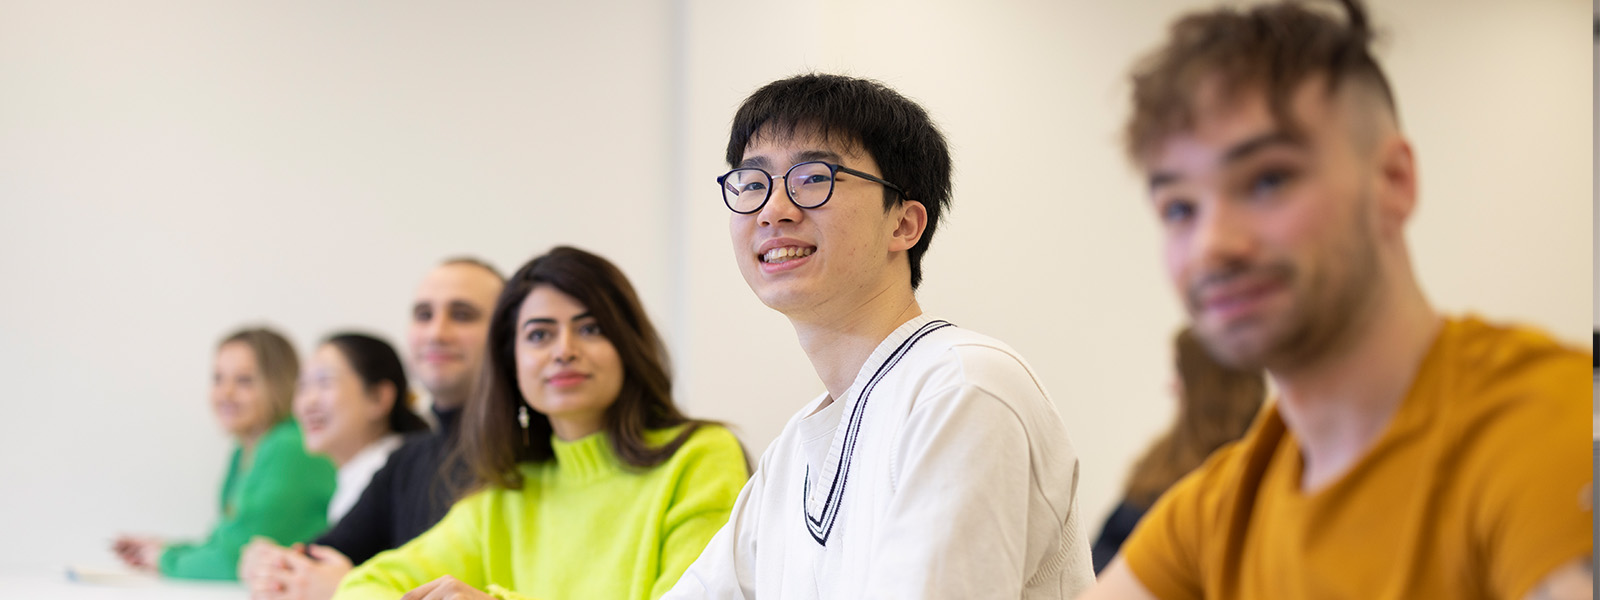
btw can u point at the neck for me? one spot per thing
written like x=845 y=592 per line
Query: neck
x=446 y=401
x=838 y=344
x=1338 y=403
x=573 y=429
x=342 y=455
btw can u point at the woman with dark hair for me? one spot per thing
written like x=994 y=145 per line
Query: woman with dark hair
x=354 y=404
x=273 y=488
x=589 y=483
x=1215 y=406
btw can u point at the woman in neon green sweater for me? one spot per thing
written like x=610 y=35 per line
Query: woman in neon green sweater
x=603 y=489
x=273 y=488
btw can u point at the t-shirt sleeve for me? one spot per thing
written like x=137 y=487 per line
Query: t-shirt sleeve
x=713 y=473
x=1538 y=465
x=452 y=547
x=1164 y=550
x=284 y=496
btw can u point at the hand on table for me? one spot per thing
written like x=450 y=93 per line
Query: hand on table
x=140 y=552
x=294 y=576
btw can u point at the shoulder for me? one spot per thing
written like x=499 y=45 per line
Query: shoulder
x=708 y=442
x=284 y=434
x=1233 y=472
x=1483 y=353
x=953 y=358
x=1508 y=375
x=283 y=444
x=1190 y=526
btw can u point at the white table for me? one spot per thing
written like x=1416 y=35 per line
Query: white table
x=109 y=586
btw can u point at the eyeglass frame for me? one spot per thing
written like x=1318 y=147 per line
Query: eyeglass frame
x=833 y=173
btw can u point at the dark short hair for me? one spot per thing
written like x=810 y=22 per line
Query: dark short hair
x=492 y=441
x=375 y=361
x=896 y=132
x=1271 y=48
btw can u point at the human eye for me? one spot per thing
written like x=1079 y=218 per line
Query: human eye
x=1175 y=211
x=537 y=336
x=1270 y=181
x=590 y=329
x=463 y=315
x=422 y=314
x=814 y=178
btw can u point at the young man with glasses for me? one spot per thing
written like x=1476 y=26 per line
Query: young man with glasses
x=934 y=465
x=1407 y=454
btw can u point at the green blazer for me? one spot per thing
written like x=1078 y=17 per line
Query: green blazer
x=282 y=494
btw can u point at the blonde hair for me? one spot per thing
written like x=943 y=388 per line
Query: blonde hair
x=278 y=363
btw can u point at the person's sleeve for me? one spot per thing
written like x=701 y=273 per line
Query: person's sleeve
x=1163 y=552
x=366 y=530
x=725 y=569
x=1532 y=513
x=956 y=525
x=708 y=487
x=452 y=547
x=284 y=496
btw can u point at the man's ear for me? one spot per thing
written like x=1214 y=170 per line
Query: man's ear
x=911 y=222
x=1396 y=184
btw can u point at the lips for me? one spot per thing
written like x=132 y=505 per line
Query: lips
x=437 y=357
x=782 y=254
x=567 y=379
x=1237 y=297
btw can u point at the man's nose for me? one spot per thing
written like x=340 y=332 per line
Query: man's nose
x=1224 y=234
x=780 y=207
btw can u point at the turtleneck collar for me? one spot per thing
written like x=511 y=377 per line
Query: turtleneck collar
x=585 y=458
x=449 y=420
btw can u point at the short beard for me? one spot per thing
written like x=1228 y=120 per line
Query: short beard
x=1325 y=313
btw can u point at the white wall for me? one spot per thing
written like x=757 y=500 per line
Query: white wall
x=172 y=170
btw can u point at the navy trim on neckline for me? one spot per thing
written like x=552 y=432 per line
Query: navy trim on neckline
x=821 y=526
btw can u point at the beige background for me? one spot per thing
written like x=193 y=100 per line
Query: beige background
x=172 y=169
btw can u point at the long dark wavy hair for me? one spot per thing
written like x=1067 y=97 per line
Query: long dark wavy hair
x=1217 y=405
x=492 y=441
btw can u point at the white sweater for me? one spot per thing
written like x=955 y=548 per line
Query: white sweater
x=943 y=472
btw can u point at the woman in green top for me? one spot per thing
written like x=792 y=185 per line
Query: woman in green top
x=590 y=483
x=273 y=487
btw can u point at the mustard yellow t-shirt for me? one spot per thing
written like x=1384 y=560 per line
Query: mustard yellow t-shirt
x=1473 y=490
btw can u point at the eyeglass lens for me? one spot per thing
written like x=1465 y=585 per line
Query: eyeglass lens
x=809 y=185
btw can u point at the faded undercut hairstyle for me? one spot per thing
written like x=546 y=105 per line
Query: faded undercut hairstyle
x=492 y=441
x=1270 y=49
x=896 y=132
x=278 y=364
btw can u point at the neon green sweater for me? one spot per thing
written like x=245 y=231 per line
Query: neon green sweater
x=583 y=526
x=282 y=494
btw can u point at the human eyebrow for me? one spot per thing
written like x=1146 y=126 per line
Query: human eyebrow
x=1161 y=179
x=538 y=321
x=759 y=162
x=1243 y=150
x=824 y=155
